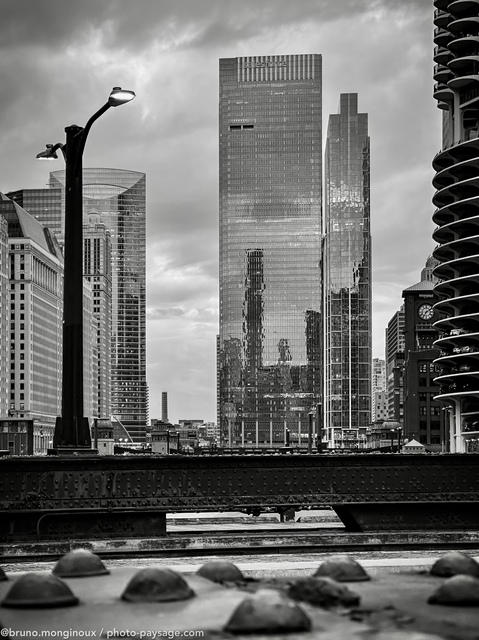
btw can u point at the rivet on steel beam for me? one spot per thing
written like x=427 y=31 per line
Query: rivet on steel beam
x=268 y=611
x=324 y=592
x=459 y=590
x=342 y=569
x=455 y=563
x=79 y=563
x=33 y=590
x=157 y=585
x=220 y=571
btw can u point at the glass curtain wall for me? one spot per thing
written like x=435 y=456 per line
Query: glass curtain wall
x=118 y=198
x=269 y=352
x=347 y=277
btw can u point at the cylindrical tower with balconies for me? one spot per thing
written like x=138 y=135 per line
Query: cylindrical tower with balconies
x=456 y=73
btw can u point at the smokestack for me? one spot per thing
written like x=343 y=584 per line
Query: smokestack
x=164 y=406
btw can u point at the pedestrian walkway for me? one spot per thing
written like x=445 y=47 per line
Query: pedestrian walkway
x=237 y=521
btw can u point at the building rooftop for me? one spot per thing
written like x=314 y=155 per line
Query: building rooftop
x=424 y=285
x=22 y=224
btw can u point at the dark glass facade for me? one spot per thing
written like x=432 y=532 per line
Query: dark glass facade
x=269 y=348
x=347 y=277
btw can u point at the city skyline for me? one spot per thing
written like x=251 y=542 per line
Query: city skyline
x=169 y=56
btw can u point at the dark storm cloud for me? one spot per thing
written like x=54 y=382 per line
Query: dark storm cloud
x=54 y=23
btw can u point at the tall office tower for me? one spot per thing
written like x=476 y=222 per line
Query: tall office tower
x=269 y=347
x=379 y=395
x=36 y=285
x=97 y=270
x=379 y=375
x=4 y=320
x=90 y=354
x=347 y=277
x=119 y=197
x=395 y=348
x=457 y=218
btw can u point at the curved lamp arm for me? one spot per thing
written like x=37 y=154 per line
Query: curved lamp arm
x=117 y=97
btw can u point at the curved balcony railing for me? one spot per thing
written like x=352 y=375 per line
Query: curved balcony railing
x=461 y=65
x=462 y=8
x=457 y=248
x=462 y=46
x=443 y=93
x=442 y=18
x=442 y=37
x=464 y=286
x=451 y=227
x=463 y=27
x=458 y=306
x=442 y=55
x=442 y=74
x=462 y=82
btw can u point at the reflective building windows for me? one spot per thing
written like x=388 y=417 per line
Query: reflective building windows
x=117 y=197
x=347 y=277
x=269 y=353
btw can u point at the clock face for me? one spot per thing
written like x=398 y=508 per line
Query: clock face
x=425 y=312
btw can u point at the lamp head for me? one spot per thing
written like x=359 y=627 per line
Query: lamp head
x=119 y=96
x=49 y=153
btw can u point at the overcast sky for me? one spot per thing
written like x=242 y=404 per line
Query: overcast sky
x=59 y=60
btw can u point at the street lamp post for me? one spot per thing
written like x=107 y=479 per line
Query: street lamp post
x=319 y=426
x=393 y=431
x=310 y=431
x=72 y=431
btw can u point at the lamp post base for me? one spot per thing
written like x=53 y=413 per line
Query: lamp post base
x=72 y=451
x=72 y=437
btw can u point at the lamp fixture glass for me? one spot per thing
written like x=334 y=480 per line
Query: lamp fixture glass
x=49 y=153
x=119 y=96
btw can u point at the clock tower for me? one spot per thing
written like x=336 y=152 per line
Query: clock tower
x=423 y=416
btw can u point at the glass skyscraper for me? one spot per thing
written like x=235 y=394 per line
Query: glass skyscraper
x=347 y=277
x=117 y=199
x=269 y=347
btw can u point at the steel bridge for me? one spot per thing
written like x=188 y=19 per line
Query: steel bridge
x=111 y=496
